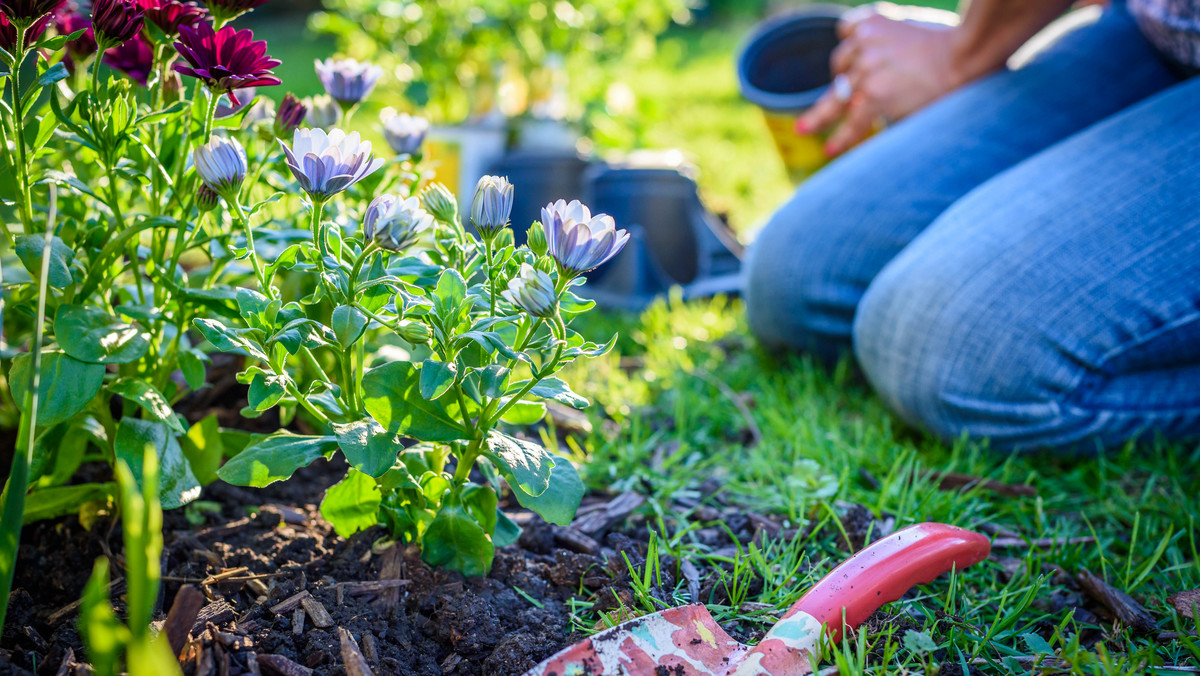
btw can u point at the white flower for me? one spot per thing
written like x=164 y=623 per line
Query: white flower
x=326 y=164
x=533 y=291
x=404 y=133
x=221 y=164
x=491 y=206
x=579 y=241
x=394 y=223
x=348 y=81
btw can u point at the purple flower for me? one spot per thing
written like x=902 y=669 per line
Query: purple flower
x=225 y=60
x=25 y=12
x=8 y=32
x=579 y=241
x=133 y=57
x=115 y=21
x=289 y=115
x=491 y=205
x=224 y=10
x=323 y=112
x=221 y=164
x=326 y=164
x=169 y=15
x=404 y=133
x=533 y=291
x=395 y=223
x=70 y=21
x=348 y=81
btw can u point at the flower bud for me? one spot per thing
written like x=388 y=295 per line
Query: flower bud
x=207 y=199
x=395 y=224
x=491 y=205
x=289 y=116
x=535 y=237
x=221 y=164
x=504 y=238
x=546 y=264
x=533 y=291
x=115 y=22
x=348 y=81
x=415 y=333
x=26 y=12
x=439 y=201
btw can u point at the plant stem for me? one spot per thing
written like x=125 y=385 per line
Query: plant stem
x=466 y=461
x=23 y=187
x=491 y=277
x=312 y=410
x=236 y=207
x=535 y=378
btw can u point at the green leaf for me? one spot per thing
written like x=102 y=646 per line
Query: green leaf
x=226 y=339
x=92 y=335
x=103 y=633
x=352 y=504
x=507 y=531
x=191 y=363
x=55 y=73
x=492 y=380
x=66 y=387
x=204 y=447
x=47 y=503
x=554 y=389
x=450 y=298
x=393 y=397
x=253 y=304
x=266 y=390
x=30 y=248
x=275 y=458
x=525 y=413
x=1037 y=644
x=918 y=642
x=454 y=540
x=524 y=463
x=368 y=447
x=481 y=502
x=559 y=502
x=151 y=400
x=177 y=484
x=348 y=324
x=436 y=378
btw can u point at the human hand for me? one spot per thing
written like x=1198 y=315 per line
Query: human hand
x=892 y=60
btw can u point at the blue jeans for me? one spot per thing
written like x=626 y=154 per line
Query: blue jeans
x=1018 y=261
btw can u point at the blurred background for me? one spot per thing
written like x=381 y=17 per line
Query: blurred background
x=620 y=75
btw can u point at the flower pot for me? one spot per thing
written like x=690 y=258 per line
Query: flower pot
x=540 y=177
x=783 y=68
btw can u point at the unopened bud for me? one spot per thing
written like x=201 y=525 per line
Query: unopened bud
x=439 y=201
x=415 y=333
x=503 y=238
x=535 y=237
x=545 y=264
x=207 y=199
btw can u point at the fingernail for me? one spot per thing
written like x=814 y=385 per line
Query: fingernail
x=831 y=149
x=802 y=126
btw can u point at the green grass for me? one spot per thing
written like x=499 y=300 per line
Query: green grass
x=822 y=434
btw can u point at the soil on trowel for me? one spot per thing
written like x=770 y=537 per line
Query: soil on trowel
x=278 y=588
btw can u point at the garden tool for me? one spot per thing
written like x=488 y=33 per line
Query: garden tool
x=686 y=641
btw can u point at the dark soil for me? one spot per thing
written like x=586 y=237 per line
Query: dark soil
x=437 y=623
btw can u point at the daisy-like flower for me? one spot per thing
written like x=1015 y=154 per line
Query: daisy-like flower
x=394 y=223
x=169 y=15
x=221 y=164
x=348 y=81
x=289 y=116
x=404 y=133
x=115 y=22
x=491 y=206
x=134 y=57
x=26 y=12
x=578 y=241
x=8 y=32
x=224 y=10
x=323 y=112
x=225 y=60
x=326 y=164
x=533 y=291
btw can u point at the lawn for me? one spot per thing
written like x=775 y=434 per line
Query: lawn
x=692 y=416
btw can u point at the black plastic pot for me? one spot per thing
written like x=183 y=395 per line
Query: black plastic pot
x=783 y=65
x=674 y=240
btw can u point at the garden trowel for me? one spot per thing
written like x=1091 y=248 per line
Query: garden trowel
x=687 y=641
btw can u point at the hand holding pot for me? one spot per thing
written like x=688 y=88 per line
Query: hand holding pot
x=891 y=61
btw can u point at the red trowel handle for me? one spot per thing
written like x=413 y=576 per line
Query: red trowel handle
x=881 y=572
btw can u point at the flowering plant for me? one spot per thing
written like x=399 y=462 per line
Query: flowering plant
x=165 y=214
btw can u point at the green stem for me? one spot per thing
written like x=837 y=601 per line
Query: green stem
x=236 y=207
x=535 y=378
x=312 y=410
x=491 y=273
x=114 y=205
x=466 y=461
x=26 y=206
x=348 y=389
x=369 y=249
